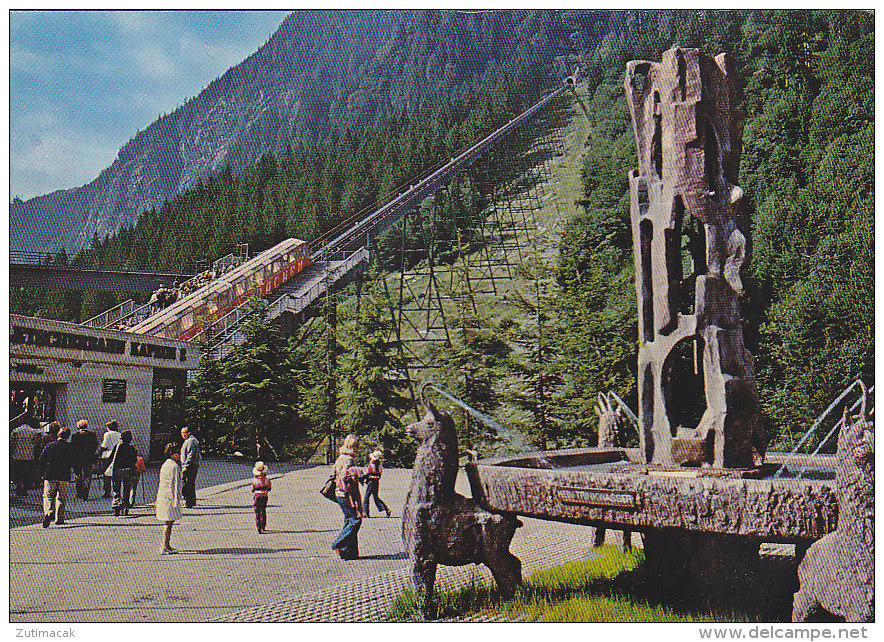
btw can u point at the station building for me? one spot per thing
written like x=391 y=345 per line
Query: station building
x=66 y=372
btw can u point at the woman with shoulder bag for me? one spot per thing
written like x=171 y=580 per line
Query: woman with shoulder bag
x=347 y=496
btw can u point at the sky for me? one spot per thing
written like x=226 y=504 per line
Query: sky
x=83 y=83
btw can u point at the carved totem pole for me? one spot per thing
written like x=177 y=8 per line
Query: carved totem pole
x=697 y=397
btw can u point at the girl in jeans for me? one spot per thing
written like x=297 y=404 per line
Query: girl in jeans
x=346 y=544
x=372 y=482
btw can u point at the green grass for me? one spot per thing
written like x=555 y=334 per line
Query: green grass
x=582 y=591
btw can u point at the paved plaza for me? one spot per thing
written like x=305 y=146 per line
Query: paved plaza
x=100 y=568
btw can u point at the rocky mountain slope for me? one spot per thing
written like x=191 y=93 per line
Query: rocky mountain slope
x=281 y=93
x=321 y=71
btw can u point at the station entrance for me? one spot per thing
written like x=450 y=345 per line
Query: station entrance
x=37 y=398
x=167 y=409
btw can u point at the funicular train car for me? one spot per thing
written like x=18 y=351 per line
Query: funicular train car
x=259 y=276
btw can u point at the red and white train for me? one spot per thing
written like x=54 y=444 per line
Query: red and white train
x=259 y=276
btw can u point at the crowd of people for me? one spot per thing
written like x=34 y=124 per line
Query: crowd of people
x=163 y=297
x=61 y=455
x=51 y=456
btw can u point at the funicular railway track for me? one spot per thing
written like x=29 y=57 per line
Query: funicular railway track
x=333 y=256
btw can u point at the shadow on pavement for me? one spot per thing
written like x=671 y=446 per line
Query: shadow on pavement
x=396 y=556
x=242 y=551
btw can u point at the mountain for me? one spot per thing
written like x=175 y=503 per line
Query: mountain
x=322 y=71
x=279 y=94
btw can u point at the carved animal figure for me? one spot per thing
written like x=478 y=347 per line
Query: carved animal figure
x=610 y=429
x=609 y=421
x=440 y=526
x=838 y=572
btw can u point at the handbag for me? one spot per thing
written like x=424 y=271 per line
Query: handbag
x=328 y=488
x=109 y=471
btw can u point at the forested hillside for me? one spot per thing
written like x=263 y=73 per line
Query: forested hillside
x=808 y=168
x=279 y=95
x=321 y=74
x=445 y=78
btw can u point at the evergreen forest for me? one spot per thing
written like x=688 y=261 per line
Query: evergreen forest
x=807 y=85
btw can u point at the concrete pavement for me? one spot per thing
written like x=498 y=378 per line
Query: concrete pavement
x=99 y=568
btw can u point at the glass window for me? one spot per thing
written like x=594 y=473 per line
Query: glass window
x=224 y=297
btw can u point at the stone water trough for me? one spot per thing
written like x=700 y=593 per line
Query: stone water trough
x=613 y=488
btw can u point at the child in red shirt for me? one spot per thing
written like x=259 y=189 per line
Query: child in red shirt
x=261 y=490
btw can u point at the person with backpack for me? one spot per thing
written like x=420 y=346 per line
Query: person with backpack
x=140 y=467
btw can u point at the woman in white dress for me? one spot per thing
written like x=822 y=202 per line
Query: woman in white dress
x=169 y=497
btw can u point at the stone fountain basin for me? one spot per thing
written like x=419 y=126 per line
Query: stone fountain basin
x=612 y=488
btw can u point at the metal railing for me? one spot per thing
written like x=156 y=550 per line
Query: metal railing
x=626 y=409
x=217 y=330
x=358 y=225
x=112 y=315
x=27 y=257
x=127 y=310
x=231 y=259
x=334 y=271
x=124 y=312
x=816 y=424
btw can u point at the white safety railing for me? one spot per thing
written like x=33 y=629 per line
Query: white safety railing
x=111 y=316
x=816 y=424
x=123 y=312
x=133 y=313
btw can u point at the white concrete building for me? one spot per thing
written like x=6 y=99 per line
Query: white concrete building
x=77 y=372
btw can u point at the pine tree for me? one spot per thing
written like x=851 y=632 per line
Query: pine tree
x=371 y=368
x=258 y=397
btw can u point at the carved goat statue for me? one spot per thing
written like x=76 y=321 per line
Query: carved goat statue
x=440 y=526
x=838 y=572
x=610 y=415
x=610 y=418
